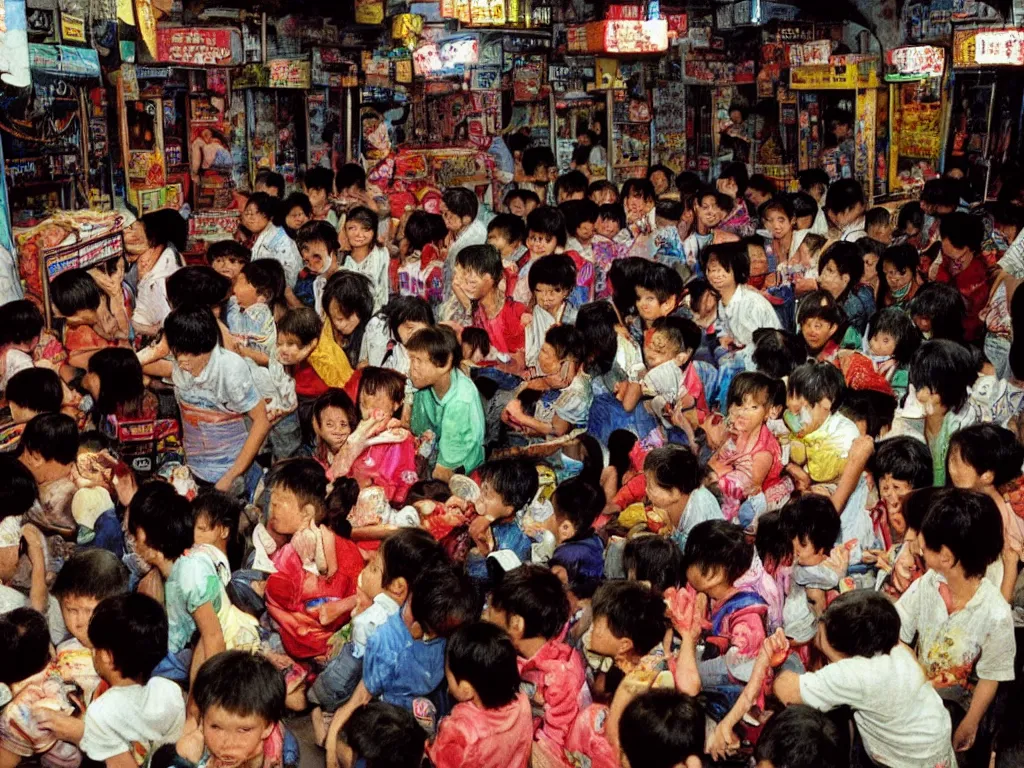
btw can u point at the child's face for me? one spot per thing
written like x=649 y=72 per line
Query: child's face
x=817 y=331
x=491 y=504
x=962 y=474
x=832 y=280
x=407 y=329
x=870 y=267
x=344 y=325
x=650 y=307
x=370 y=578
x=882 y=344
x=602 y=641
x=517 y=207
x=541 y=244
x=803 y=222
x=659 y=349
x=476 y=285
x=585 y=231
x=709 y=215
x=205 y=531
x=378 y=401
x=192 y=364
x=497 y=239
x=896 y=279
x=358 y=234
x=317 y=197
x=778 y=224
x=234 y=739
x=804 y=552
x=603 y=196
x=637 y=206
x=470 y=353
x=548 y=360
x=229 y=268
x=316 y=257
x=333 y=428
x=549 y=297
x=803 y=254
x=660 y=182
x=287 y=515
x=660 y=496
x=452 y=220
x=607 y=227
x=924 y=325
x=291 y=351
x=894 y=493
x=805 y=416
x=719 y=277
x=296 y=218
x=77 y=612
x=749 y=416
x=245 y=293
x=758 y=262
x=709 y=581
x=422 y=370
x=253 y=220
x=880 y=232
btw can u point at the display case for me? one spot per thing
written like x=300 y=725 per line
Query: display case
x=917 y=116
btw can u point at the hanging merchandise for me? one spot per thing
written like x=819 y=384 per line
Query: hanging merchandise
x=631 y=125
x=918 y=113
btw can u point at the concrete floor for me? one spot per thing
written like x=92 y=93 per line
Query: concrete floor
x=310 y=755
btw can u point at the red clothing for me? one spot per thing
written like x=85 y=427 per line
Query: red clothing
x=392 y=466
x=555 y=676
x=84 y=338
x=485 y=738
x=973 y=285
x=506 y=328
x=307 y=381
x=290 y=590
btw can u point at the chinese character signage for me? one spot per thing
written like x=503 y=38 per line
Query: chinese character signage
x=917 y=60
x=989 y=47
x=289 y=73
x=619 y=36
x=194 y=46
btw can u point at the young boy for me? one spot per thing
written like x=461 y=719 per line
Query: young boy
x=447 y=404
x=215 y=391
x=844 y=204
x=580 y=222
x=334 y=417
x=298 y=335
x=94 y=318
x=579 y=551
x=492 y=725
x=318 y=245
x=459 y=207
x=29 y=393
x=611 y=223
x=507 y=233
x=249 y=316
x=671 y=381
x=663 y=729
x=365 y=257
x=272 y=242
x=227 y=258
x=552 y=279
x=709 y=210
x=878 y=224
x=49 y=449
x=801 y=737
x=962 y=267
x=900 y=466
x=657 y=295
x=899 y=716
x=318 y=184
x=546 y=234
x=498 y=314
x=138 y=712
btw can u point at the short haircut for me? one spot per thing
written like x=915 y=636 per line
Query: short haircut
x=482 y=259
x=230 y=250
x=770 y=540
x=848 y=260
x=95 y=573
x=440 y=343
x=265 y=204
x=443 y=599
x=548 y=221
x=407 y=553
x=301 y=322
x=716 y=544
x=510 y=228
x=197 y=285
x=461 y=201
x=386 y=380
x=963 y=230
x=25 y=639
x=385 y=736
x=903 y=458
x=526 y=195
x=133 y=629
x=732 y=257
x=267 y=277
x=761 y=183
x=753 y=384
x=556 y=270
x=37 y=389
x=577 y=213
x=782 y=204
x=910 y=214
x=535 y=158
x=53 y=436
x=989 y=448
x=675 y=467
x=877 y=217
x=632 y=611
x=664 y=282
x=802 y=737
x=969 y=525
x=661 y=729
x=943 y=305
x=688 y=182
x=165 y=516
x=602 y=185
x=352 y=292
x=844 y=195
x=482 y=655
x=940 y=191
x=18 y=489
x=812 y=519
x=679 y=330
x=917 y=505
x=897 y=324
x=814 y=382
x=813 y=177
x=294 y=200
x=164 y=228
x=651 y=170
x=579 y=502
x=642 y=188
x=422 y=228
x=778 y=352
x=407 y=309
x=724 y=202
x=736 y=172
x=241 y=683
x=477 y=340
x=319 y=178
x=538 y=596
x=271 y=179
x=566 y=341
x=671 y=210
x=571 y=183
x=1008 y=214
x=350 y=175
x=654 y=559
x=317 y=232
x=613 y=212
x=191 y=329
x=514 y=480
x=947 y=369
x=74 y=291
x=876 y=409
x=21 y=322
x=303 y=477
x=803 y=205
x=364 y=216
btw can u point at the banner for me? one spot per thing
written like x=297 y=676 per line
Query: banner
x=194 y=46
x=289 y=73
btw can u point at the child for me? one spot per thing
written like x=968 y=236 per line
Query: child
x=318 y=245
x=318 y=184
x=492 y=725
x=240 y=699
x=819 y=319
x=95 y=318
x=963 y=268
x=364 y=256
x=49 y=449
x=580 y=223
x=446 y=404
x=215 y=391
x=998 y=326
x=258 y=288
x=898 y=715
x=380 y=735
x=709 y=210
x=507 y=233
x=962 y=624
x=580 y=551
x=938 y=311
x=348 y=304
x=546 y=234
x=891 y=343
x=801 y=737
x=732 y=181
x=870 y=252
x=298 y=335
x=29 y=393
x=227 y=258
x=840 y=271
x=845 y=206
x=293 y=213
x=507 y=486
x=878 y=224
x=611 y=223
x=519 y=202
x=672 y=381
x=741 y=310
x=459 y=207
x=552 y=279
x=657 y=295
x=333 y=416
x=22 y=323
x=501 y=316
x=85 y=580
x=806 y=214
x=272 y=242
x=530 y=604
x=421 y=272
x=898 y=265
x=900 y=466
x=662 y=729
x=984 y=457
x=910 y=226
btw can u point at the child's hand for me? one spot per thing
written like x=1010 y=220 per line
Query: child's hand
x=775 y=648
x=191 y=745
x=64 y=727
x=839 y=560
x=727 y=341
x=723 y=742
x=965 y=734
x=526 y=319
x=480 y=533
x=620 y=390
x=801 y=480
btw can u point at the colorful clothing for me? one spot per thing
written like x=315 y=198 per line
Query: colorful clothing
x=737 y=483
x=422 y=275
x=20 y=732
x=505 y=329
x=457 y=421
x=273 y=243
x=554 y=681
x=135 y=719
x=484 y=738
x=275 y=749
x=398 y=668
x=571 y=405
x=972 y=283
x=74 y=665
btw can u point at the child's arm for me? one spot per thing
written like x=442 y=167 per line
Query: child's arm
x=37 y=594
x=360 y=697
x=860 y=452
x=124 y=760
x=787 y=688
x=762 y=464
x=629 y=393
x=256 y=355
x=966 y=732
x=1010 y=561
x=154 y=352
x=556 y=428
x=211 y=636
x=257 y=434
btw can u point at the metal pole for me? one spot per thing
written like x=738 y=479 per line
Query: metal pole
x=348 y=125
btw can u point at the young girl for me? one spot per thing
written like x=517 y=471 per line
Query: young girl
x=422 y=270
x=217 y=517
x=114 y=380
x=365 y=257
x=751 y=459
x=891 y=343
x=898 y=265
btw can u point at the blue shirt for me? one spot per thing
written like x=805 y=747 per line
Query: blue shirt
x=397 y=668
x=507 y=535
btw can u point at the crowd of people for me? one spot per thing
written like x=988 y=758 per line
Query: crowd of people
x=651 y=475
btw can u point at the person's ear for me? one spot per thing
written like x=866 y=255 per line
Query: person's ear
x=308 y=511
x=267 y=731
x=947 y=557
x=516 y=626
x=988 y=477
x=566 y=530
x=625 y=647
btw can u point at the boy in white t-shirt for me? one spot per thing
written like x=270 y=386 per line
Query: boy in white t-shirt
x=900 y=718
x=138 y=713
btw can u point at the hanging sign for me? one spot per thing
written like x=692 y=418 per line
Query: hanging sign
x=991 y=47
x=83 y=255
x=194 y=46
x=449 y=57
x=916 y=60
x=72 y=28
x=487 y=13
x=619 y=37
x=64 y=60
x=369 y=12
x=289 y=73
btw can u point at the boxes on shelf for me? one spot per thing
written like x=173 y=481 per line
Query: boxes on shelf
x=145 y=443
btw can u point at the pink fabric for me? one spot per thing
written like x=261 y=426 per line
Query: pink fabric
x=556 y=675
x=485 y=738
x=588 y=739
x=736 y=484
x=757 y=579
x=692 y=385
x=392 y=466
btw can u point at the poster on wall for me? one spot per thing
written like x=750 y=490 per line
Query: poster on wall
x=289 y=73
x=196 y=46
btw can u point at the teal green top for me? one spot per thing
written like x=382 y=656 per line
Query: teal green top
x=457 y=421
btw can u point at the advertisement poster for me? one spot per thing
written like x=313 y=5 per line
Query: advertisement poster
x=289 y=73
x=194 y=46
x=72 y=28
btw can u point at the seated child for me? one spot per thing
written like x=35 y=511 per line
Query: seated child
x=507 y=486
x=492 y=724
x=546 y=234
x=348 y=306
x=298 y=336
x=519 y=202
x=900 y=466
x=25 y=570
x=22 y=323
x=552 y=278
x=938 y=311
x=801 y=737
x=318 y=245
x=380 y=734
x=227 y=258
x=492 y=310
x=661 y=729
x=580 y=220
x=672 y=381
x=333 y=417
x=507 y=233
x=891 y=343
x=29 y=393
x=579 y=552
x=421 y=272
x=611 y=223
x=95 y=317
x=741 y=310
x=870 y=252
x=49 y=449
x=898 y=715
x=840 y=271
x=364 y=256
x=658 y=289
x=898 y=266
x=963 y=268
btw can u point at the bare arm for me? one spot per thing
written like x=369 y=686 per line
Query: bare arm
x=787 y=688
x=360 y=697
x=860 y=452
x=210 y=633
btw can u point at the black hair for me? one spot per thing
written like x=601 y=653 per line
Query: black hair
x=580 y=155
x=301 y=322
x=877 y=217
x=917 y=505
x=679 y=330
x=770 y=539
x=989 y=448
x=718 y=544
x=526 y=195
x=781 y=203
x=967 y=523
x=538 y=157
x=579 y=502
x=241 y=683
x=812 y=519
x=538 y=596
x=843 y=195
x=407 y=553
x=761 y=183
x=662 y=729
x=963 y=230
x=443 y=599
x=654 y=559
x=876 y=409
x=566 y=341
x=350 y=175
x=664 y=282
x=133 y=629
x=722 y=200
x=120 y=375
x=513 y=480
x=199 y=285
x=940 y=191
x=759 y=386
x=903 y=256
x=777 y=352
x=571 y=183
x=228 y=249
x=848 y=261
x=477 y=339
x=803 y=205
x=165 y=516
x=688 y=182
x=623 y=275
x=340 y=501
x=548 y=221
x=813 y=177
x=20 y=322
x=482 y=655
x=482 y=259
x=614 y=212
x=556 y=269
x=406 y=309
x=910 y=213
x=821 y=305
x=319 y=178
x=814 y=381
x=620 y=446
x=461 y=201
x=737 y=172
x=385 y=736
x=25 y=639
x=165 y=227
x=862 y=623
x=944 y=306
x=271 y=179
x=365 y=216
x=294 y=200
x=633 y=611
x=511 y=228
x=671 y=210
x=387 y=380
x=732 y=257
x=904 y=458
x=802 y=737
x=653 y=169
x=37 y=389
x=422 y=228
x=1007 y=213
x=602 y=185
x=440 y=343
x=264 y=203
x=897 y=324
x=191 y=329
x=352 y=292
x=947 y=369
x=675 y=467
x=54 y=436
x=432 y=490
x=317 y=232
x=224 y=510
x=597 y=321
x=303 y=477
x=74 y=291
x=642 y=188
x=578 y=212
x=18 y=489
